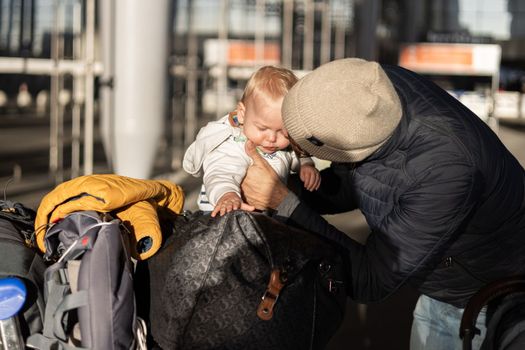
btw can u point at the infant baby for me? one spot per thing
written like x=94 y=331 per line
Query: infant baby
x=218 y=151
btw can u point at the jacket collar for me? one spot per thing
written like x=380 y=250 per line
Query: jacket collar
x=397 y=137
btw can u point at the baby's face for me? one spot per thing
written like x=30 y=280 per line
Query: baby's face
x=263 y=124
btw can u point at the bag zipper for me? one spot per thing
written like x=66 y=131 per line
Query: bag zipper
x=314 y=315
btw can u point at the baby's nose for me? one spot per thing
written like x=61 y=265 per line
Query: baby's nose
x=272 y=136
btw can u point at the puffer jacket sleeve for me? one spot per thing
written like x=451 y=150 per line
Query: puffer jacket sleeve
x=412 y=237
x=334 y=195
x=134 y=201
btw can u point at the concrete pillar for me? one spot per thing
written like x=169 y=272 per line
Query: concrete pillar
x=140 y=84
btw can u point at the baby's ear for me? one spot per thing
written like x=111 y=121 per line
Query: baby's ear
x=241 y=110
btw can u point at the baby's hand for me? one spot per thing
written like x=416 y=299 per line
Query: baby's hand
x=228 y=202
x=310 y=177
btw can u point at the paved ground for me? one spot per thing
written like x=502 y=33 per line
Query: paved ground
x=377 y=326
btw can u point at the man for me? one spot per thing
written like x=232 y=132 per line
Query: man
x=443 y=197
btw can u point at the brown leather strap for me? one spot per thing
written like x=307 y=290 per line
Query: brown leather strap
x=270 y=296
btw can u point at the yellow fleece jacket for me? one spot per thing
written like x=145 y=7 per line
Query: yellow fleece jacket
x=133 y=201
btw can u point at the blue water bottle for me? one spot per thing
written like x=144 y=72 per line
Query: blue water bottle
x=12 y=298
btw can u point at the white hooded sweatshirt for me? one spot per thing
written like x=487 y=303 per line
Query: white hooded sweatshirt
x=219 y=151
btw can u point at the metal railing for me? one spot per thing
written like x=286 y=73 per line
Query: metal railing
x=311 y=33
x=82 y=68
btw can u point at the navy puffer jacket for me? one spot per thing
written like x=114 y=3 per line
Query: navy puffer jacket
x=443 y=197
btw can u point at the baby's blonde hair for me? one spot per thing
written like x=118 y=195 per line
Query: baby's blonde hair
x=273 y=81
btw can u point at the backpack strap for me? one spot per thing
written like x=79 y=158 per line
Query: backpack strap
x=58 y=303
x=40 y=342
x=68 y=303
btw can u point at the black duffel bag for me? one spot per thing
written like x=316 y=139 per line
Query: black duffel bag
x=242 y=281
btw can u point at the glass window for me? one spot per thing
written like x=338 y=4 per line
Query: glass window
x=491 y=18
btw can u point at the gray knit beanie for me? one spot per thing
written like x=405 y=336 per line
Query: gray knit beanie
x=343 y=111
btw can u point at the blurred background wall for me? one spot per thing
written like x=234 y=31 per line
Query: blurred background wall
x=102 y=85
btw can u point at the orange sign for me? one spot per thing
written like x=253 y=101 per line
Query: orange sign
x=244 y=52
x=451 y=58
x=444 y=54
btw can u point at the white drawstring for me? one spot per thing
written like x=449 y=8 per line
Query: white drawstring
x=141 y=335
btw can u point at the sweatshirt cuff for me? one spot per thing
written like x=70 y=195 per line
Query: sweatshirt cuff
x=287 y=206
x=306 y=161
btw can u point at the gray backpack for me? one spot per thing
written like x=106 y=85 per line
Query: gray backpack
x=89 y=296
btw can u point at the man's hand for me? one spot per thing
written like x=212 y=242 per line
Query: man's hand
x=228 y=202
x=310 y=177
x=261 y=187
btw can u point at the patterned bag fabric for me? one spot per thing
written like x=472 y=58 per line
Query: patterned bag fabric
x=207 y=282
